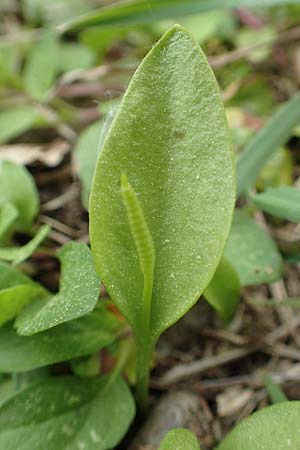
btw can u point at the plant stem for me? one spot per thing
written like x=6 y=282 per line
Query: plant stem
x=144 y=352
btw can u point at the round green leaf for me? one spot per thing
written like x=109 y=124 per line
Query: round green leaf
x=171 y=139
x=276 y=427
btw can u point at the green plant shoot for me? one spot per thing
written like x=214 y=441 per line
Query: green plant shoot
x=163 y=193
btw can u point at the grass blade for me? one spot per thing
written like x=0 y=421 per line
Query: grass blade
x=272 y=136
x=143 y=11
x=275 y=392
x=283 y=202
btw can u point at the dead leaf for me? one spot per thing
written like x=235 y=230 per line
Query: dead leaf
x=49 y=154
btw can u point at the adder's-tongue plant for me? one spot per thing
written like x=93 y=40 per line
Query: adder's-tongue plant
x=163 y=193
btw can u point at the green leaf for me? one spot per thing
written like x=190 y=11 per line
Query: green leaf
x=78 y=293
x=223 y=291
x=10 y=276
x=283 y=202
x=17 y=187
x=19 y=254
x=276 y=427
x=65 y=342
x=8 y=215
x=14 y=299
x=41 y=66
x=66 y=413
x=275 y=392
x=252 y=252
x=179 y=439
x=140 y=11
x=279 y=170
x=271 y=137
x=86 y=366
x=74 y=57
x=6 y=390
x=86 y=153
x=178 y=160
x=39 y=11
x=208 y=24
x=16 y=291
x=15 y=121
x=290 y=302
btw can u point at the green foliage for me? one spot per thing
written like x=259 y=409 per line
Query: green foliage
x=160 y=182
x=41 y=66
x=70 y=340
x=86 y=153
x=17 y=187
x=66 y=413
x=252 y=252
x=140 y=11
x=273 y=136
x=161 y=207
x=78 y=294
x=13 y=300
x=52 y=12
x=74 y=57
x=10 y=276
x=283 y=202
x=223 y=291
x=273 y=427
x=275 y=392
x=179 y=439
x=14 y=121
x=8 y=215
x=87 y=366
x=19 y=254
x=277 y=171
x=173 y=166
x=16 y=291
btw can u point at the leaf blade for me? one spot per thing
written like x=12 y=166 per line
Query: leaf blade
x=252 y=252
x=70 y=340
x=179 y=439
x=275 y=424
x=283 y=202
x=15 y=121
x=78 y=294
x=41 y=66
x=19 y=254
x=222 y=293
x=162 y=152
x=68 y=413
x=17 y=187
x=271 y=137
x=139 y=11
